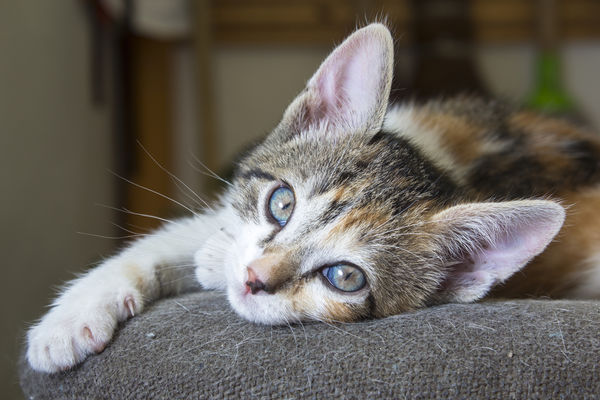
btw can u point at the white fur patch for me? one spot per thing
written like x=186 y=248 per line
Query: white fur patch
x=401 y=121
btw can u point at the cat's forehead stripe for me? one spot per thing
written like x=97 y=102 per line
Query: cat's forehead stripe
x=343 y=198
x=335 y=209
x=341 y=178
x=258 y=174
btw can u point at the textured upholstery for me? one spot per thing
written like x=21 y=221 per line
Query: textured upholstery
x=195 y=347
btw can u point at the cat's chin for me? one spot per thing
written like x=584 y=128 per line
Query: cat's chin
x=261 y=308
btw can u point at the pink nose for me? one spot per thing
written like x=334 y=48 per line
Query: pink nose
x=253 y=284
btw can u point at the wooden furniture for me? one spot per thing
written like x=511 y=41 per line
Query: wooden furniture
x=327 y=21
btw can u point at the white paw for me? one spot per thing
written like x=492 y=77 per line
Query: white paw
x=79 y=325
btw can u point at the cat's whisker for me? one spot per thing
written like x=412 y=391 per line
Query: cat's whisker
x=130 y=231
x=196 y=169
x=195 y=204
x=175 y=178
x=183 y=238
x=148 y=232
x=125 y=210
x=211 y=172
x=164 y=196
x=111 y=237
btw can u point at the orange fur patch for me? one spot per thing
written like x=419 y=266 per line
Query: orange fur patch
x=544 y=136
x=302 y=300
x=339 y=312
x=459 y=136
x=555 y=272
x=356 y=217
x=342 y=193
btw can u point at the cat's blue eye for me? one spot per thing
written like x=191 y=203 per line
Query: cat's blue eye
x=346 y=278
x=281 y=204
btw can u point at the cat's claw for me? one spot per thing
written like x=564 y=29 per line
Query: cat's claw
x=70 y=332
x=130 y=304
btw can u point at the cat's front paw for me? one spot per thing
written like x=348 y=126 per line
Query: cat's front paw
x=76 y=328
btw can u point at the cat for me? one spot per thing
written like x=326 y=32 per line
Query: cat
x=355 y=208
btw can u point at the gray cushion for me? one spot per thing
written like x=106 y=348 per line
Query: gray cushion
x=193 y=346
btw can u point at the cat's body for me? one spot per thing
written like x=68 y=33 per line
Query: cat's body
x=346 y=212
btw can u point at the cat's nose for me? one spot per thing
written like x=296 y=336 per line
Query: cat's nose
x=253 y=284
x=268 y=273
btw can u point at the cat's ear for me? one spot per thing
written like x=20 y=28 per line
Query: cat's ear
x=482 y=244
x=350 y=90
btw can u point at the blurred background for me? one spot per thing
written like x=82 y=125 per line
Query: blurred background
x=98 y=98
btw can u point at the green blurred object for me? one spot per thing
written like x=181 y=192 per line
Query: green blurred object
x=549 y=94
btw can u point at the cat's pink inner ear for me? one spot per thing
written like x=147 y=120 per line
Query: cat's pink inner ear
x=351 y=88
x=486 y=243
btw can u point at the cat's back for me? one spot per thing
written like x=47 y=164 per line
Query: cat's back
x=498 y=151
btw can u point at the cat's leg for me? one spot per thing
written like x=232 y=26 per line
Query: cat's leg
x=83 y=318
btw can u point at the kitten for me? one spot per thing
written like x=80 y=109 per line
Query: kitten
x=354 y=208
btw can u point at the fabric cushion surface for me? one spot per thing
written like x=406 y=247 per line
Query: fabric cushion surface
x=194 y=346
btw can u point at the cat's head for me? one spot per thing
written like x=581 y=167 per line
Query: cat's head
x=330 y=218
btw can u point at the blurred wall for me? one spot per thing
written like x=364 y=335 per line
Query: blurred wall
x=509 y=71
x=253 y=87
x=54 y=157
